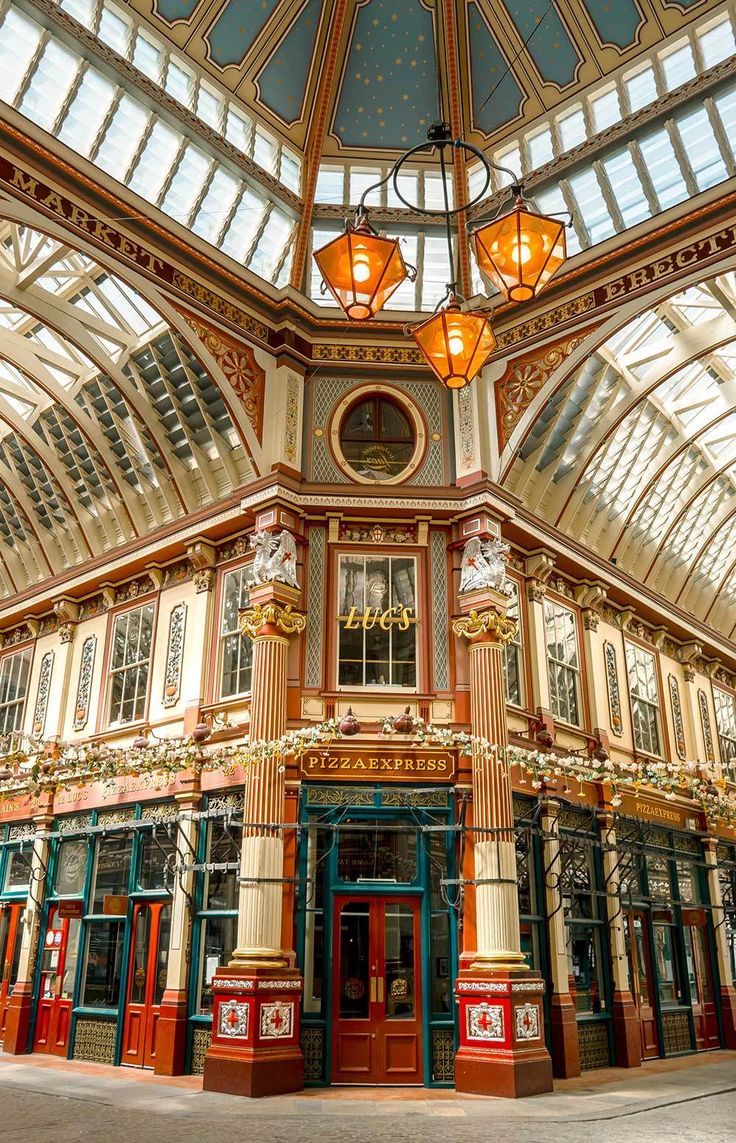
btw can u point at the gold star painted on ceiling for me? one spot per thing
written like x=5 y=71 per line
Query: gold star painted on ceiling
x=394 y=17
x=405 y=96
x=376 y=23
x=379 y=111
x=398 y=60
x=413 y=63
x=420 y=39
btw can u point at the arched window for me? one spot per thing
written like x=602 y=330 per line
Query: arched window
x=377 y=438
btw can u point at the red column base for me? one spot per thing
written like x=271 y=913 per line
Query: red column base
x=18 y=1020
x=728 y=1015
x=565 y=1045
x=626 y=1031
x=255 y=1033
x=171 y=1034
x=502 y=1048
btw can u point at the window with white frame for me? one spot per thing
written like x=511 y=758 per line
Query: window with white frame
x=130 y=663
x=14 y=670
x=236 y=649
x=513 y=654
x=725 y=705
x=377 y=621
x=563 y=661
x=644 y=690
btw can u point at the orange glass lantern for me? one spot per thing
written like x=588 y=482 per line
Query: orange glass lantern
x=520 y=251
x=361 y=270
x=456 y=345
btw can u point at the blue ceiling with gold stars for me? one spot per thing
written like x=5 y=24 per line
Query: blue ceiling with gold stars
x=515 y=60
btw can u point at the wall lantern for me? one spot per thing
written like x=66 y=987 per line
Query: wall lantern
x=520 y=251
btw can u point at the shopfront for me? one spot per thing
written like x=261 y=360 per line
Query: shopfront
x=15 y=879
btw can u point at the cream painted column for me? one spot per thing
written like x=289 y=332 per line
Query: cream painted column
x=590 y=597
x=498 y=943
x=715 y=894
x=270 y=622
x=19 y=1006
x=538 y=567
x=626 y=1028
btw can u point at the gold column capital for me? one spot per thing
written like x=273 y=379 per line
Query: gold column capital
x=475 y=625
x=257 y=620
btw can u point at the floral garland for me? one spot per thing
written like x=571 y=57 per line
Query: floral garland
x=32 y=770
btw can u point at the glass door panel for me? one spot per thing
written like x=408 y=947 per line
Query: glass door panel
x=146 y=982
x=640 y=978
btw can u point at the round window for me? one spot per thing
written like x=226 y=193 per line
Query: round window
x=377 y=439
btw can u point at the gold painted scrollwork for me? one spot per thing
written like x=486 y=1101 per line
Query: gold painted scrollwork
x=474 y=624
x=253 y=619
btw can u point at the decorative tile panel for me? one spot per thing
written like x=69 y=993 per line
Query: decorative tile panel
x=710 y=754
x=335 y=796
x=676 y=1032
x=595 y=1048
x=233 y=1019
x=677 y=722
x=526 y=1020
x=201 y=1042
x=84 y=687
x=440 y=612
x=277 y=1020
x=485 y=1022
x=291 y=419
x=94 y=1040
x=42 y=698
x=443 y=1055
x=313 y=1047
x=175 y=654
x=315 y=609
x=614 y=694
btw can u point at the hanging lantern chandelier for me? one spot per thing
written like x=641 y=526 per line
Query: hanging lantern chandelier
x=518 y=251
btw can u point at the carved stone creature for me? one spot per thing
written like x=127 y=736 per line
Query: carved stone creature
x=484 y=565
x=275 y=558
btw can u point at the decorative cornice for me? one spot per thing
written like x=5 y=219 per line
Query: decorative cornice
x=475 y=624
x=252 y=620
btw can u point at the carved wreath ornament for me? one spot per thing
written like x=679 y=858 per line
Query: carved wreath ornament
x=283 y=618
x=475 y=624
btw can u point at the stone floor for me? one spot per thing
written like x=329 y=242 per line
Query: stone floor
x=689 y=1100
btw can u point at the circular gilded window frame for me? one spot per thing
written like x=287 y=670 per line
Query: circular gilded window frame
x=407 y=406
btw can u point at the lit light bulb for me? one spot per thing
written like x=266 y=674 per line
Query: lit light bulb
x=361 y=269
x=455 y=342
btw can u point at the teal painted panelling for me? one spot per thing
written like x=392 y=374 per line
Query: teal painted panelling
x=389 y=91
x=236 y=28
x=284 y=78
x=173 y=10
x=550 y=47
x=487 y=67
x=616 y=21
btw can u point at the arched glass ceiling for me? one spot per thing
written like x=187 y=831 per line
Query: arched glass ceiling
x=635 y=455
x=109 y=424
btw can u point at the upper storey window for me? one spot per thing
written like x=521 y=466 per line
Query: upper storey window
x=644 y=690
x=13 y=686
x=236 y=649
x=377 y=622
x=563 y=661
x=377 y=439
x=725 y=705
x=130 y=664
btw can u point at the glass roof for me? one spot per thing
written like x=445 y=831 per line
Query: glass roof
x=636 y=454
x=106 y=432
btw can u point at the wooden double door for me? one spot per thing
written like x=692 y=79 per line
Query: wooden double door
x=11 y=934
x=641 y=980
x=59 y=958
x=377 y=990
x=149 y=954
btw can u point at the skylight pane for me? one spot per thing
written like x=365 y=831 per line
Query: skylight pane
x=87 y=112
x=291 y=171
x=552 y=202
x=726 y=107
x=244 y=226
x=701 y=148
x=329 y=184
x=149 y=57
x=436 y=272
x=320 y=238
x=404 y=298
x=19 y=39
x=82 y=10
x=122 y=138
x=271 y=245
x=238 y=129
x=717 y=42
x=606 y=110
x=210 y=107
x=180 y=83
x=663 y=168
x=571 y=129
x=115 y=31
x=626 y=186
x=50 y=85
x=265 y=151
x=539 y=146
x=592 y=206
x=187 y=183
x=678 y=67
x=641 y=87
x=216 y=205
x=154 y=165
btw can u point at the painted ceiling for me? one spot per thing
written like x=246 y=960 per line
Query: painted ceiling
x=368 y=69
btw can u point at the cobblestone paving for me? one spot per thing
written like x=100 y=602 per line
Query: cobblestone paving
x=65 y=1105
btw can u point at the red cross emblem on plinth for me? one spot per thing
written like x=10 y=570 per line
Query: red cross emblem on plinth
x=485 y=1021
x=527 y=1021
x=277 y=1019
x=232 y=1019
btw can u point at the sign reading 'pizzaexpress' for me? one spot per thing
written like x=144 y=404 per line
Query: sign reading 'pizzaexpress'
x=396 y=765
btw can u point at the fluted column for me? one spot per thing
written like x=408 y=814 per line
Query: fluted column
x=496 y=899
x=715 y=893
x=270 y=625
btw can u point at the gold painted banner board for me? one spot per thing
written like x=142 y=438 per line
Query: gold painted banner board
x=398 y=764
